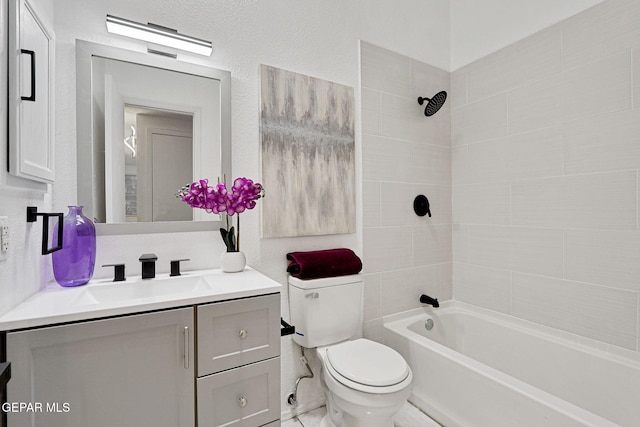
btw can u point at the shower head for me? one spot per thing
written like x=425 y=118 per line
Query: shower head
x=434 y=103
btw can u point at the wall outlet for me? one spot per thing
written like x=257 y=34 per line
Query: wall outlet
x=4 y=237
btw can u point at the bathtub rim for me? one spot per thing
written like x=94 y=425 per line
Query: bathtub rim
x=594 y=347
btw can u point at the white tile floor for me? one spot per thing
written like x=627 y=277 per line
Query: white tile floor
x=409 y=416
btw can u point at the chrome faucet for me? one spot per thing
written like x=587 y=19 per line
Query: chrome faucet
x=426 y=299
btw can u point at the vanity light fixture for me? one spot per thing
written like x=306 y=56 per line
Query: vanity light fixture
x=159 y=35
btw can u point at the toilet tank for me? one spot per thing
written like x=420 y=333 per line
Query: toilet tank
x=325 y=311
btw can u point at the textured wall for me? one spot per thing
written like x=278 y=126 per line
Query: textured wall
x=404 y=154
x=545 y=159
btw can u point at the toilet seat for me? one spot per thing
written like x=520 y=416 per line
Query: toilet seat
x=367 y=366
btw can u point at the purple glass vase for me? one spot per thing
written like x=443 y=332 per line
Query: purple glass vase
x=73 y=264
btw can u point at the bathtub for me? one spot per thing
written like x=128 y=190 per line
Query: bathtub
x=477 y=367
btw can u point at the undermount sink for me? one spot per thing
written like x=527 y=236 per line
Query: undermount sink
x=143 y=289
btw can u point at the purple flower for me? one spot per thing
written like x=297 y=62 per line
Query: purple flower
x=217 y=199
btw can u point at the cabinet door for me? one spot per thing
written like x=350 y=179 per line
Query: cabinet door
x=31 y=93
x=239 y=332
x=127 y=371
x=243 y=397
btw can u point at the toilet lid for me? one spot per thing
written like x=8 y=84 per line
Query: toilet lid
x=368 y=362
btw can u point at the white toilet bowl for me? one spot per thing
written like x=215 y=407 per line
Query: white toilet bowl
x=366 y=383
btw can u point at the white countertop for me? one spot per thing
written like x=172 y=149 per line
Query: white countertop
x=103 y=298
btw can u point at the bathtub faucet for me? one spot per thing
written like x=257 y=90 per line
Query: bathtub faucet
x=426 y=299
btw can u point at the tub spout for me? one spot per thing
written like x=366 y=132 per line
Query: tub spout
x=426 y=299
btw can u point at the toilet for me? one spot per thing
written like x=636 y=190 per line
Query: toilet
x=365 y=383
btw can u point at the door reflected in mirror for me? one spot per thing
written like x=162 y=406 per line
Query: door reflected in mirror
x=158 y=159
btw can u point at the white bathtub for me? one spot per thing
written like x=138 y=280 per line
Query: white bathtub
x=481 y=368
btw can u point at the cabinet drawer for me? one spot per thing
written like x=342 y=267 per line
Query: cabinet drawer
x=237 y=333
x=241 y=397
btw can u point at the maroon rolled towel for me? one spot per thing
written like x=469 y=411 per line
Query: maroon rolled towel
x=325 y=263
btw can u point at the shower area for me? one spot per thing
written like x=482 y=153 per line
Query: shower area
x=531 y=168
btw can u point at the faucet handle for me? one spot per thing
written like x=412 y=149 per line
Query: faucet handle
x=175 y=266
x=148 y=257
x=118 y=272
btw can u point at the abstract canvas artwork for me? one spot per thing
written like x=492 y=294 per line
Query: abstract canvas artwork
x=308 y=155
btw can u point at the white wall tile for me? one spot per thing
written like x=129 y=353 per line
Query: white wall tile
x=431 y=244
x=604 y=200
x=511 y=66
x=446 y=288
x=444 y=211
x=535 y=154
x=607 y=28
x=370 y=111
x=488 y=161
x=607 y=257
x=523 y=249
x=401 y=290
x=481 y=203
x=371 y=203
x=403 y=118
x=598 y=312
x=385 y=158
x=482 y=286
x=524 y=155
x=430 y=164
x=600 y=87
x=460 y=242
x=604 y=143
x=459 y=164
x=458 y=95
x=387 y=248
x=480 y=120
x=384 y=70
x=536 y=105
x=597 y=88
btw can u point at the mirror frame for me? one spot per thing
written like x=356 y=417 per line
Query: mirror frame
x=84 y=130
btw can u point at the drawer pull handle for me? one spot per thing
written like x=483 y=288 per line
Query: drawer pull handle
x=243 y=333
x=242 y=401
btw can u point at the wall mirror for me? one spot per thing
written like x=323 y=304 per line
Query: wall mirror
x=146 y=126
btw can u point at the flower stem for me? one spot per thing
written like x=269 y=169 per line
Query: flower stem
x=238 y=238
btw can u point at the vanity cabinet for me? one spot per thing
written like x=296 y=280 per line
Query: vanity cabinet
x=31 y=92
x=206 y=365
x=129 y=371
